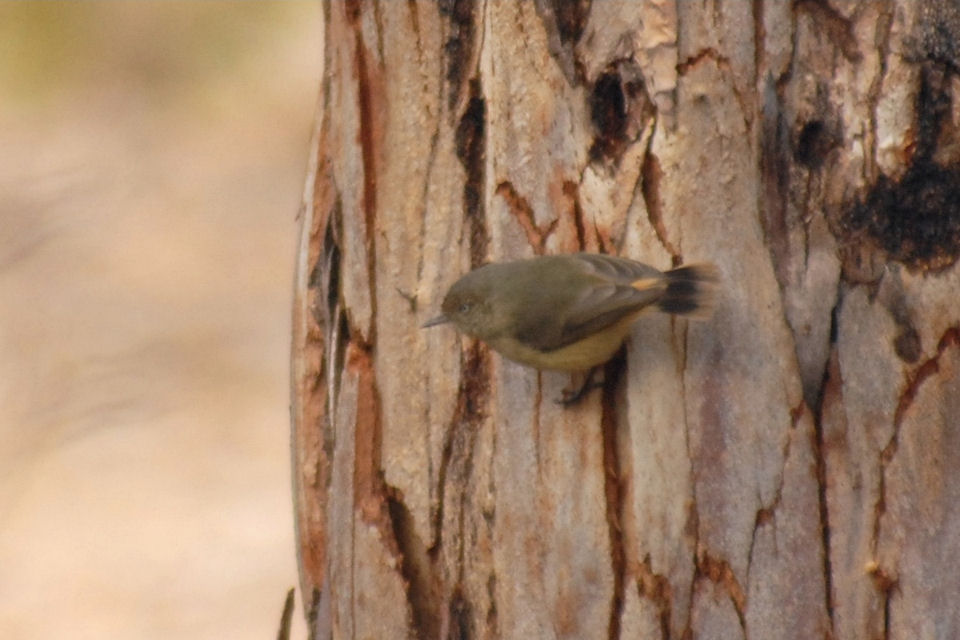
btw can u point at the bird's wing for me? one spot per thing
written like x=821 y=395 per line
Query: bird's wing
x=622 y=288
x=606 y=305
x=614 y=269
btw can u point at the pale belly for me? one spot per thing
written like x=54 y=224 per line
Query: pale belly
x=585 y=354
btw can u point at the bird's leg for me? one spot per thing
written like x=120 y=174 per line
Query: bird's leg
x=572 y=396
x=612 y=371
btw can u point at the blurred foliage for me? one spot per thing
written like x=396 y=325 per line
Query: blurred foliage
x=50 y=48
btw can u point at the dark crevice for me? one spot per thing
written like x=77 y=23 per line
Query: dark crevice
x=352 y=9
x=775 y=175
x=471 y=150
x=456 y=469
x=887 y=597
x=820 y=454
x=416 y=568
x=330 y=265
x=492 y=620
x=460 y=618
x=620 y=110
x=333 y=320
x=458 y=47
x=814 y=142
x=456 y=459
x=471 y=399
x=608 y=112
x=834 y=323
x=571 y=17
x=613 y=488
x=368 y=152
x=888 y=585
x=312 y=612
x=337 y=343
x=564 y=22
x=759 y=38
x=831 y=370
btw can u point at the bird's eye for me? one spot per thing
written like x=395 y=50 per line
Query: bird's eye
x=465 y=307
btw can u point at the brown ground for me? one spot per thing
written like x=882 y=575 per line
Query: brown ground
x=152 y=157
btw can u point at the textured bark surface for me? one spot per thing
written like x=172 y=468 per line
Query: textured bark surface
x=782 y=470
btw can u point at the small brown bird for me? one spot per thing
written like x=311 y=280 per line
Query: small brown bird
x=569 y=312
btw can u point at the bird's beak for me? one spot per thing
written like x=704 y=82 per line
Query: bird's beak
x=435 y=321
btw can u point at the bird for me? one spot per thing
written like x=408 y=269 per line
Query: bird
x=569 y=312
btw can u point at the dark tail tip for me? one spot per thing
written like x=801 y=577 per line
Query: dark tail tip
x=690 y=290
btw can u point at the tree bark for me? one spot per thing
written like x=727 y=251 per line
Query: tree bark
x=782 y=470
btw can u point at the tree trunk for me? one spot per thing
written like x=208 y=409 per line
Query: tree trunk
x=782 y=470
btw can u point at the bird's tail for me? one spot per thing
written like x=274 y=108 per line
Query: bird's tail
x=691 y=290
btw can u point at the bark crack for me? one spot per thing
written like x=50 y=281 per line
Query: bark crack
x=368 y=155
x=692 y=526
x=887 y=584
x=415 y=24
x=378 y=21
x=467 y=416
x=522 y=212
x=371 y=493
x=471 y=150
x=613 y=489
x=456 y=469
x=885 y=580
x=831 y=376
x=775 y=176
x=720 y=573
x=416 y=567
x=650 y=176
x=759 y=38
x=656 y=588
x=723 y=65
x=458 y=46
x=914 y=380
x=571 y=189
x=708 y=53
x=766 y=514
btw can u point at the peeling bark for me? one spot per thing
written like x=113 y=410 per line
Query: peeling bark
x=782 y=470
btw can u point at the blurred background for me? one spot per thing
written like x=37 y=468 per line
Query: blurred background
x=152 y=159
